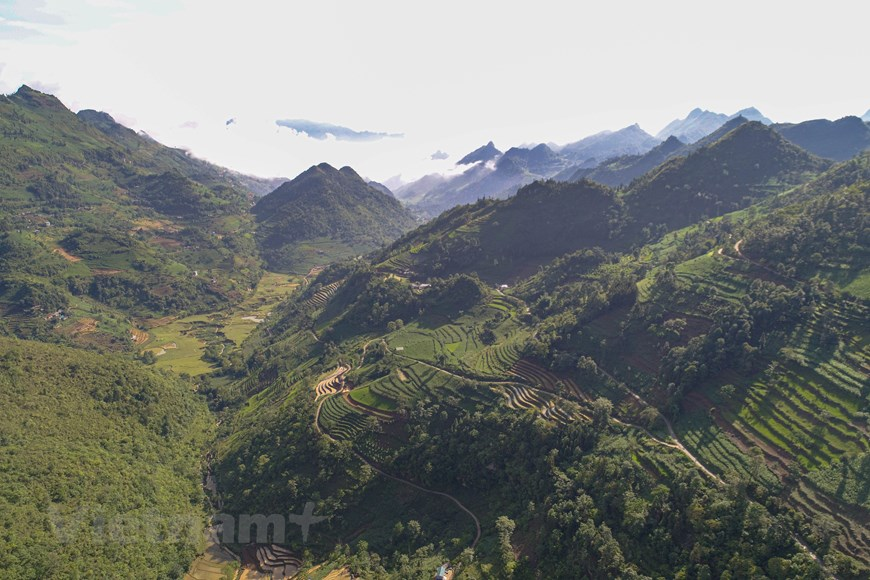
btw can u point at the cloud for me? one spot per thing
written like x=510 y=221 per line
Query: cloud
x=439 y=155
x=42 y=87
x=28 y=11
x=321 y=131
x=189 y=125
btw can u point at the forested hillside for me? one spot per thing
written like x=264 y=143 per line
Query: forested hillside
x=326 y=214
x=99 y=466
x=101 y=223
x=632 y=403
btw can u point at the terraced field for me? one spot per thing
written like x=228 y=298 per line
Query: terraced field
x=342 y=421
x=417 y=381
x=496 y=360
x=331 y=383
x=804 y=409
x=544 y=379
x=521 y=397
x=322 y=296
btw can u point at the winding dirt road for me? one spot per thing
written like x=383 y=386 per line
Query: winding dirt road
x=380 y=471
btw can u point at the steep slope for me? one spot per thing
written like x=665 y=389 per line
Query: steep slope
x=140 y=229
x=748 y=163
x=504 y=240
x=623 y=170
x=152 y=155
x=499 y=178
x=839 y=140
x=326 y=213
x=484 y=153
x=100 y=465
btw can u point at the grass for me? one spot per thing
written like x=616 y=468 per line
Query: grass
x=271 y=290
x=186 y=357
x=366 y=396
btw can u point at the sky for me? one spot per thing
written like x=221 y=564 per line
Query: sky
x=390 y=87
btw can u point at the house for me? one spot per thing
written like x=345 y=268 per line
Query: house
x=445 y=572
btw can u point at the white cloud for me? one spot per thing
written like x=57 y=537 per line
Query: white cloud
x=450 y=75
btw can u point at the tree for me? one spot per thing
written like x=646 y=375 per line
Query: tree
x=505 y=527
x=602 y=409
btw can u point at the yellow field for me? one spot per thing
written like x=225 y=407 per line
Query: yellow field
x=270 y=291
x=184 y=357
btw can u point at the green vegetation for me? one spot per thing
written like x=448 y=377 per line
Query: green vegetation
x=666 y=380
x=89 y=438
x=327 y=212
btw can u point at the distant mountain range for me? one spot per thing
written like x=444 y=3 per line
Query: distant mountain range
x=494 y=174
x=700 y=123
x=840 y=140
x=741 y=162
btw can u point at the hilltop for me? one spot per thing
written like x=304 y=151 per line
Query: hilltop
x=325 y=213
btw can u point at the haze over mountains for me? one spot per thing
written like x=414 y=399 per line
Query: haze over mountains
x=613 y=158
x=700 y=123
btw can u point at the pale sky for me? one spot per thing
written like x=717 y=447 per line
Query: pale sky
x=431 y=76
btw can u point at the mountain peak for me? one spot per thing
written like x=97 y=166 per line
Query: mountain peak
x=34 y=98
x=866 y=116
x=752 y=114
x=486 y=153
x=324 y=202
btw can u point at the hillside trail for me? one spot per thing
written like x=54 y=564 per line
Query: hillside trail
x=743 y=257
x=679 y=446
x=380 y=471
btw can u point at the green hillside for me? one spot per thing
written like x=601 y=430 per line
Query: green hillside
x=98 y=458
x=747 y=164
x=728 y=357
x=101 y=223
x=324 y=214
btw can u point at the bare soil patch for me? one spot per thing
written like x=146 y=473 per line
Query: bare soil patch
x=105 y=271
x=66 y=255
x=82 y=326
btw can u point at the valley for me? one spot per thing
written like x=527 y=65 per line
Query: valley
x=629 y=356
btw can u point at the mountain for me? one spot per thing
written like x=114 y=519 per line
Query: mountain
x=381 y=187
x=592 y=150
x=143 y=147
x=839 y=140
x=503 y=239
x=749 y=162
x=101 y=224
x=702 y=383
x=500 y=177
x=325 y=213
x=485 y=153
x=623 y=170
x=700 y=123
x=866 y=116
